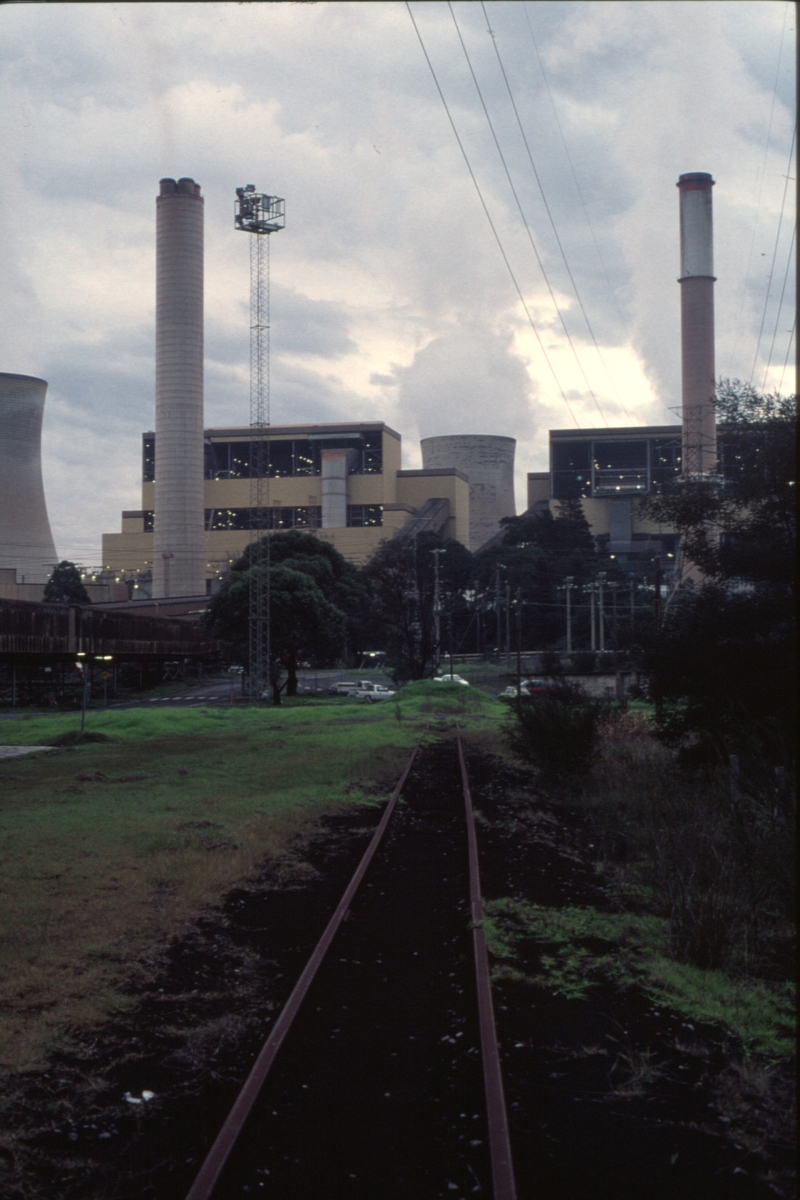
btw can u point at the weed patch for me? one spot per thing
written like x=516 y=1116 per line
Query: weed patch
x=568 y=951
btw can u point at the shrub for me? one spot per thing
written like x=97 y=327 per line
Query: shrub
x=557 y=733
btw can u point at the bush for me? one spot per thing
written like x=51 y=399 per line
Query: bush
x=557 y=733
x=716 y=859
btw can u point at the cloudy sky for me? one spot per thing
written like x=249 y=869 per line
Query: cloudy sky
x=391 y=299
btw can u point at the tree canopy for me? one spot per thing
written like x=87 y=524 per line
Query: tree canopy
x=724 y=659
x=65 y=585
x=745 y=528
x=306 y=577
x=401 y=579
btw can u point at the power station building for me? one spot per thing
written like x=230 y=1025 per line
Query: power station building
x=342 y=482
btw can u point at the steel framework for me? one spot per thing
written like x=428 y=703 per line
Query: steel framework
x=259 y=215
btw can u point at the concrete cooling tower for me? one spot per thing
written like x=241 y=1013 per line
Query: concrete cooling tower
x=488 y=462
x=26 y=542
x=178 y=536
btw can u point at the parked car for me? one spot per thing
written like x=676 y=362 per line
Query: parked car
x=346 y=687
x=531 y=688
x=372 y=692
x=450 y=679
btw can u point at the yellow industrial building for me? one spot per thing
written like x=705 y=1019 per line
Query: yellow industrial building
x=341 y=482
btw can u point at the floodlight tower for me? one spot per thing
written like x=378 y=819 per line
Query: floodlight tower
x=259 y=215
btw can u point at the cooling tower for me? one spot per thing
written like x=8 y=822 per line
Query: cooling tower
x=697 y=325
x=488 y=462
x=26 y=542
x=178 y=534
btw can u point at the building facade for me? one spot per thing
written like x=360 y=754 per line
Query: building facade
x=343 y=483
x=610 y=470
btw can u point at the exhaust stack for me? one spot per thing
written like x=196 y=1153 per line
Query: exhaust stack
x=697 y=326
x=178 y=535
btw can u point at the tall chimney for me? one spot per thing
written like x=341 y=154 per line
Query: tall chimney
x=697 y=325
x=179 y=538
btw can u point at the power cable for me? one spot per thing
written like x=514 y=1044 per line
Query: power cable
x=489 y=219
x=574 y=175
x=549 y=213
x=522 y=214
x=760 y=190
x=789 y=261
x=774 y=253
x=788 y=352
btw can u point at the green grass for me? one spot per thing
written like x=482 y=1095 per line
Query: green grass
x=549 y=947
x=98 y=873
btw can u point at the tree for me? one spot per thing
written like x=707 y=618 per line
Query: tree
x=745 y=528
x=303 y=624
x=401 y=579
x=538 y=552
x=65 y=587
x=339 y=580
x=724 y=659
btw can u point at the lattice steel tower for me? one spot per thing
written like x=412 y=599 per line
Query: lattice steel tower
x=259 y=215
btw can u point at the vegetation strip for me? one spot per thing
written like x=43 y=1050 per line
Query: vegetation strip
x=629 y=950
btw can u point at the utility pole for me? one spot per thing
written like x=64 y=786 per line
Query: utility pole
x=498 y=627
x=601 y=578
x=614 y=586
x=633 y=606
x=568 y=582
x=508 y=625
x=437 y=610
x=657 y=592
x=519 y=642
x=591 y=616
x=259 y=215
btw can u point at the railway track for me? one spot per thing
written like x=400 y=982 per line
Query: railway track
x=381 y=1076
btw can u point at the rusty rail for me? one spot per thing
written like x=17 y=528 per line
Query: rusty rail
x=503 y=1184
x=203 y=1186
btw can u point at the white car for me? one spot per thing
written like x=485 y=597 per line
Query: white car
x=450 y=679
x=372 y=692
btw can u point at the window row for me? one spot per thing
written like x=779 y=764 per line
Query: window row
x=628 y=467
x=301 y=517
x=277 y=460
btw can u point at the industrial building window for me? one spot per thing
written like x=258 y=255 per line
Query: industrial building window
x=148 y=459
x=373 y=454
x=302 y=517
x=665 y=463
x=620 y=468
x=360 y=515
x=572 y=471
x=148 y=520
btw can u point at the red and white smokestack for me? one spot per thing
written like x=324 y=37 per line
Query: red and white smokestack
x=697 y=325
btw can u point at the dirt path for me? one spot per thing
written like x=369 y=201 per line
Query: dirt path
x=608 y=1096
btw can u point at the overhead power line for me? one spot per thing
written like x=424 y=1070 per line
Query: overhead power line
x=489 y=218
x=611 y=290
x=550 y=215
x=760 y=190
x=774 y=252
x=522 y=214
x=788 y=352
x=789 y=261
